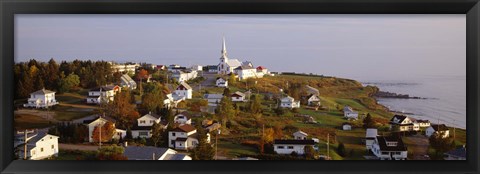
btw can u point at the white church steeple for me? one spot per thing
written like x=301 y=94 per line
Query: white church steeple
x=224 y=57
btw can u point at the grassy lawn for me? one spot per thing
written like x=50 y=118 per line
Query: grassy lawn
x=67 y=113
x=232 y=149
x=73 y=155
x=27 y=121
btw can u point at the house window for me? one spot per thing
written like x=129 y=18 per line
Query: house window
x=142 y=121
x=41 y=149
x=384 y=153
x=172 y=142
x=53 y=146
x=173 y=133
x=290 y=147
x=281 y=147
x=151 y=121
x=143 y=133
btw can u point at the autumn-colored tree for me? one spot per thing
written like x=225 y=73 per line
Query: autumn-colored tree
x=122 y=109
x=267 y=137
x=66 y=84
x=107 y=132
x=309 y=153
x=226 y=110
x=142 y=74
x=232 y=80
x=440 y=144
x=204 y=150
x=157 y=132
x=196 y=105
x=255 y=104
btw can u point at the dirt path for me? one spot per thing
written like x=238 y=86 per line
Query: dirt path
x=77 y=147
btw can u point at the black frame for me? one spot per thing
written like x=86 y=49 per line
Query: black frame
x=10 y=7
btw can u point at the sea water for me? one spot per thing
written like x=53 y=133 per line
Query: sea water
x=445 y=101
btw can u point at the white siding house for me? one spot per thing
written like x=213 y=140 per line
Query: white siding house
x=402 y=123
x=143 y=129
x=40 y=146
x=184 y=90
x=346 y=126
x=389 y=148
x=438 y=129
x=245 y=72
x=287 y=147
x=97 y=121
x=184 y=75
x=238 y=97
x=289 y=102
x=184 y=137
x=300 y=135
x=41 y=99
x=182 y=118
x=313 y=100
x=348 y=113
x=370 y=137
x=221 y=82
x=102 y=94
x=127 y=82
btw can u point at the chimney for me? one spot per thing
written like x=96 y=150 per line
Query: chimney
x=125 y=144
x=153 y=158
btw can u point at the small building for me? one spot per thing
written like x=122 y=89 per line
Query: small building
x=153 y=153
x=184 y=90
x=127 y=82
x=143 y=128
x=349 y=113
x=263 y=70
x=422 y=123
x=389 y=148
x=289 y=102
x=313 y=100
x=402 y=123
x=182 y=118
x=40 y=145
x=184 y=75
x=97 y=121
x=221 y=82
x=41 y=99
x=370 y=137
x=300 y=135
x=238 y=97
x=456 y=154
x=184 y=137
x=197 y=68
x=245 y=72
x=102 y=94
x=213 y=99
x=287 y=147
x=438 y=129
x=346 y=126
x=212 y=68
x=172 y=100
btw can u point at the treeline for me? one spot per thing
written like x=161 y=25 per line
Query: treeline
x=35 y=75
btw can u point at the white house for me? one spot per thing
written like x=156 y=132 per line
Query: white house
x=184 y=75
x=182 y=118
x=300 y=135
x=172 y=100
x=348 y=113
x=438 y=129
x=197 y=67
x=389 y=148
x=221 y=82
x=212 y=68
x=153 y=153
x=422 y=123
x=102 y=94
x=262 y=70
x=97 y=121
x=143 y=129
x=289 y=102
x=226 y=65
x=41 y=99
x=456 y=154
x=245 y=72
x=402 y=123
x=128 y=67
x=288 y=146
x=238 y=97
x=213 y=99
x=127 y=82
x=346 y=126
x=370 y=137
x=184 y=90
x=184 y=137
x=40 y=145
x=313 y=100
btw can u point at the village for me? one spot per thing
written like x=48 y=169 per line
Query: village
x=234 y=110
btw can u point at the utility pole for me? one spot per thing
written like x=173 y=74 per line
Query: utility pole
x=328 y=146
x=25 y=143
x=454 y=129
x=216 y=144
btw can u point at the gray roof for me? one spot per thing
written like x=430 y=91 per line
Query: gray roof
x=234 y=63
x=37 y=138
x=244 y=67
x=42 y=92
x=459 y=152
x=184 y=85
x=213 y=96
x=143 y=152
x=174 y=157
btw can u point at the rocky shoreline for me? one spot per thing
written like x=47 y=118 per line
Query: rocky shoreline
x=385 y=94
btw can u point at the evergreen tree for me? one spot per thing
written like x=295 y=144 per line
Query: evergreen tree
x=341 y=149
x=368 y=122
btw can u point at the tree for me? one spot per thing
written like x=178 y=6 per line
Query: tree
x=232 y=80
x=226 y=110
x=52 y=74
x=142 y=74
x=440 y=144
x=128 y=135
x=268 y=135
x=157 y=132
x=122 y=109
x=368 y=122
x=309 y=153
x=341 y=149
x=107 y=132
x=69 y=82
x=255 y=104
x=226 y=92
x=111 y=153
x=204 y=150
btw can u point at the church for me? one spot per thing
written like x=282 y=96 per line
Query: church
x=226 y=65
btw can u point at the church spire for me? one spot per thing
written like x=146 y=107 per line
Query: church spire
x=224 y=48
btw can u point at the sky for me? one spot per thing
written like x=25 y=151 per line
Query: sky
x=350 y=46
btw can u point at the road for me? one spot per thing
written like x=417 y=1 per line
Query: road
x=210 y=79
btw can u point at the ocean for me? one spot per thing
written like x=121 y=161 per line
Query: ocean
x=445 y=101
